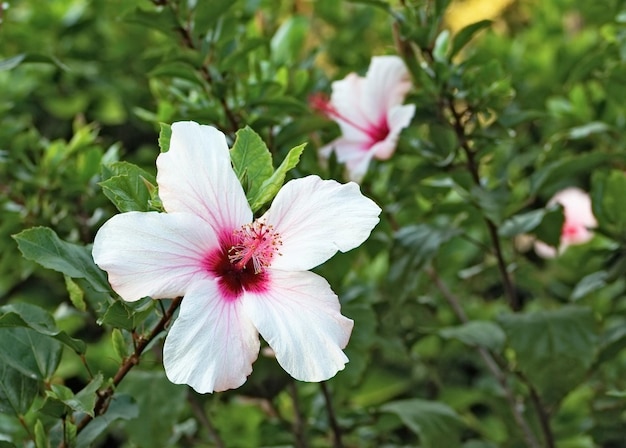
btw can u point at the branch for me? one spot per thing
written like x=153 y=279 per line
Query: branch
x=332 y=419
x=459 y=128
x=104 y=396
x=198 y=410
x=299 y=426
x=489 y=361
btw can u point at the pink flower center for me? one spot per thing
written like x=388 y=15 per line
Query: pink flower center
x=240 y=263
x=377 y=133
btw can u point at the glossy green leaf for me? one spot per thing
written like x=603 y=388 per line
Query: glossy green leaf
x=77 y=295
x=441 y=51
x=42 y=245
x=436 y=424
x=127 y=186
x=84 y=401
x=41 y=441
x=607 y=200
x=30 y=316
x=554 y=348
x=273 y=184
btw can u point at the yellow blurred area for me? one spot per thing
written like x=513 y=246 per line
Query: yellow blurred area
x=465 y=12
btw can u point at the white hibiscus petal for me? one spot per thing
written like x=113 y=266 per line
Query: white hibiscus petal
x=399 y=118
x=153 y=254
x=315 y=218
x=212 y=344
x=386 y=84
x=299 y=316
x=344 y=98
x=196 y=176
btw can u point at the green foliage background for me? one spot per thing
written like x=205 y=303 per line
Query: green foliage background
x=463 y=336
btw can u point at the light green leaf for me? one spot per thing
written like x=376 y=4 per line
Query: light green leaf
x=119 y=344
x=272 y=185
x=252 y=161
x=436 y=424
x=477 y=333
x=77 y=295
x=30 y=316
x=41 y=441
x=554 y=348
x=165 y=135
x=42 y=245
x=288 y=40
x=442 y=46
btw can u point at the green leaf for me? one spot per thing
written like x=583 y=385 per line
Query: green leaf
x=30 y=316
x=566 y=168
x=442 y=47
x=554 y=349
x=41 y=441
x=465 y=35
x=160 y=404
x=529 y=221
x=127 y=186
x=12 y=62
x=288 y=41
x=17 y=391
x=122 y=407
x=549 y=230
x=84 y=401
x=119 y=344
x=33 y=354
x=272 y=185
x=436 y=424
x=252 y=161
x=477 y=334
x=416 y=245
x=77 y=295
x=42 y=245
x=607 y=201
x=165 y=135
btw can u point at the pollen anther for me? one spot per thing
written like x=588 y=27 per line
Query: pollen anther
x=257 y=242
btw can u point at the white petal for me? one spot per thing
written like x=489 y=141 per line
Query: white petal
x=212 y=344
x=315 y=218
x=299 y=317
x=196 y=176
x=357 y=166
x=153 y=254
x=386 y=84
x=345 y=99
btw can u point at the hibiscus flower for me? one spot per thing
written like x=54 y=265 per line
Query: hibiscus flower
x=369 y=112
x=578 y=220
x=239 y=276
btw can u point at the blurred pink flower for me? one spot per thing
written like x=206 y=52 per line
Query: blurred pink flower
x=369 y=112
x=239 y=276
x=578 y=220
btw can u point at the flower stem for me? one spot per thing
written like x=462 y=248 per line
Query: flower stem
x=104 y=396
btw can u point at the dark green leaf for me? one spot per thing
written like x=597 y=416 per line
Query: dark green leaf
x=554 y=348
x=42 y=245
x=122 y=407
x=465 y=35
x=30 y=316
x=436 y=424
x=31 y=353
x=17 y=391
